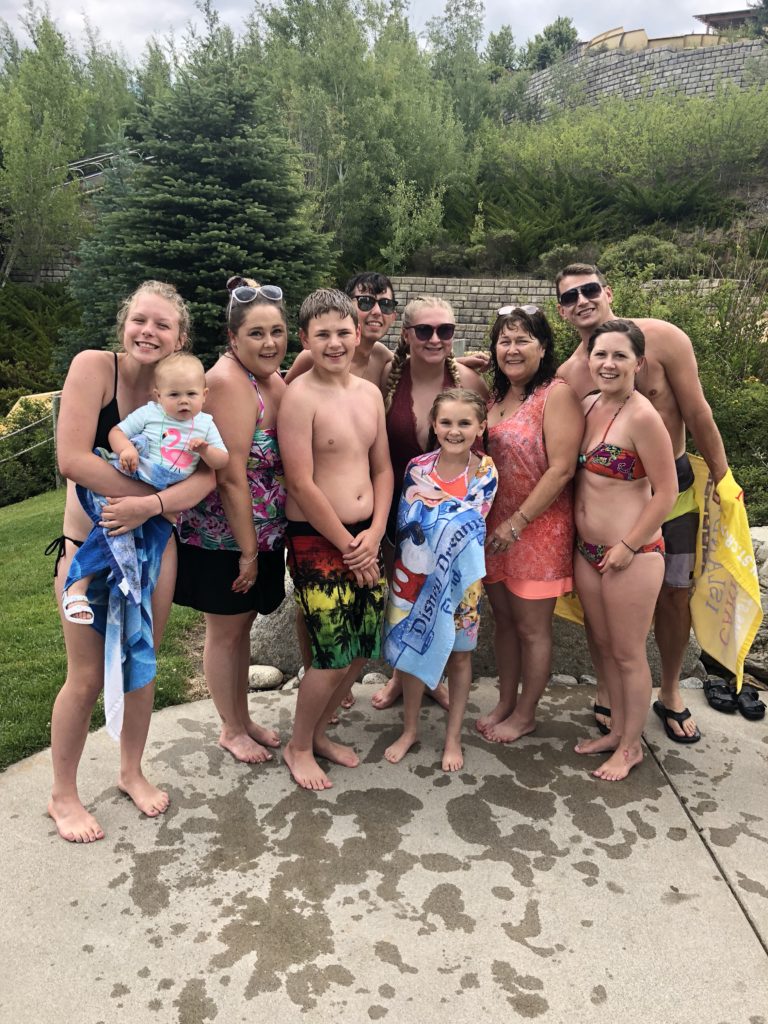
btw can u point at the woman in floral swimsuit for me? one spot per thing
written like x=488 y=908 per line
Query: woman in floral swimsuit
x=231 y=545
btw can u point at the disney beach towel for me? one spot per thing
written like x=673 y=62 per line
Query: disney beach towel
x=125 y=570
x=439 y=555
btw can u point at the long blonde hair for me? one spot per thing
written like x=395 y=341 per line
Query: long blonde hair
x=402 y=352
x=164 y=291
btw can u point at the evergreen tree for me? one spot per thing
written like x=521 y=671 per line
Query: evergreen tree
x=218 y=192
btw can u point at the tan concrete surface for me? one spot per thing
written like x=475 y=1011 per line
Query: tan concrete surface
x=518 y=889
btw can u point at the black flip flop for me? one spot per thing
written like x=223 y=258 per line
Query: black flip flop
x=749 y=704
x=600 y=709
x=678 y=716
x=720 y=695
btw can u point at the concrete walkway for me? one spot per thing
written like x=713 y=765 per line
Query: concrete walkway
x=520 y=888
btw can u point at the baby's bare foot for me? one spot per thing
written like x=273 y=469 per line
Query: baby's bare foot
x=619 y=766
x=148 y=798
x=305 y=770
x=453 y=756
x=73 y=822
x=243 y=748
x=400 y=747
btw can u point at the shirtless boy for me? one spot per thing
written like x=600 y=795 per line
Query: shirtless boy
x=669 y=378
x=333 y=443
x=376 y=312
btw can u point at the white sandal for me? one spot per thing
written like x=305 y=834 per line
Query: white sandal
x=77 y=604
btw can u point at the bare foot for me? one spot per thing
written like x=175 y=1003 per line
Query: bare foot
x=619 y=766
x=453 y=756
x=348 y=700
x=267 y=737
x=73 y=822
x=305 y=770
x=333 y=719
x=495 y=717
x=599 y=745
x=510 y=729
x=400 y=747
x=388 y=694
x=148 y=798
x=336 y=752
x=243 y=748
x=439 y=695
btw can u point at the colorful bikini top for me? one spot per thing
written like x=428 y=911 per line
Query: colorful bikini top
x=609 y=459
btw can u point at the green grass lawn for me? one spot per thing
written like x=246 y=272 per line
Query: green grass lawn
x=32 y=659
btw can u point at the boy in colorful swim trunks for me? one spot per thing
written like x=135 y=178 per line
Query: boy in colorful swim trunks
x=338 y=474
x=670 y=380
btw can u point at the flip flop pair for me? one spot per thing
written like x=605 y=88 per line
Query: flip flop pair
x=722 y=696
x=749 y=703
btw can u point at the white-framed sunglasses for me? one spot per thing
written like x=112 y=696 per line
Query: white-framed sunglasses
x=507 y=310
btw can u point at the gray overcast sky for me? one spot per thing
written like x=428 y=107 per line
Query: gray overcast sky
x=130 y=23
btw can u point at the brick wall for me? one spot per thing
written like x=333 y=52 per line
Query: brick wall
x=695 y=72
x=474 y=301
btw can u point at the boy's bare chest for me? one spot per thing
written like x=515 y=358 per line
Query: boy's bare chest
x=344 y=427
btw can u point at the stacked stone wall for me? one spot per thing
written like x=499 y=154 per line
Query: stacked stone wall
x=632 y=74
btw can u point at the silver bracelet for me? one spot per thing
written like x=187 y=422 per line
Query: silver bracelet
x=247 y=561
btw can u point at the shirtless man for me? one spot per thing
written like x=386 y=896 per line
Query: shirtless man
x=333 y=442
x=669 y=378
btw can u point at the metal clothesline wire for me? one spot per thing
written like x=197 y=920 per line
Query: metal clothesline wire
x=23 y=450
x=22 y=429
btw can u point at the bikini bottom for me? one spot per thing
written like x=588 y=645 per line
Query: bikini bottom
x=595 y=553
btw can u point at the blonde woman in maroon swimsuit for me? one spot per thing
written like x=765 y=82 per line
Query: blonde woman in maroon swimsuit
x=625 y=487
x=534 y=427
x=422 y=367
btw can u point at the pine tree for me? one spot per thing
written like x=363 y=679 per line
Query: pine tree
x=212 y=189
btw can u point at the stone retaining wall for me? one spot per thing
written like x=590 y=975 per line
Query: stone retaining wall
x=632 y=74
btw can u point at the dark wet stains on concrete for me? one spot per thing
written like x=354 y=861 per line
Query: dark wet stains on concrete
x=445 y=901
x=149 y=893
x=503 y=791
x=119 y=990
x=677 y=835
x=305 y=985
x=423 y=771
x=644 y=830
x=118 y=880
x=441 y=862
x=724 y=836
x=468 y=981
x=164 y=984
x=599 y=995
x=388 y=953
x=442 y=780
x=143 y=973
x=155 y=1005
x=622 y=850
x=750 y=885
x=501 y=892
x=522 y=988
x=586 y=867
x=376 y=1012
x=194 y=1004
x=674 y=896
x=528 y=928
x=387 y=992
x=88 y=949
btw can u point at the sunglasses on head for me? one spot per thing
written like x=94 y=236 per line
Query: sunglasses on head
x=590 y=290
x=506 y=310
x=365 y=304
x=424 y=332
x=246 y=293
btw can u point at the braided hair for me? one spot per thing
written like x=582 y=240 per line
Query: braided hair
x=402 y=353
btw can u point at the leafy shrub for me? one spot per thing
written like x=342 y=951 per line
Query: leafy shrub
x=26 y=451
x=654 y=256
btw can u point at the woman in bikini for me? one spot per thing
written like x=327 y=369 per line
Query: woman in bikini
x=101 y=388
x=422 y=367
x=625 y=486
x=231 y=546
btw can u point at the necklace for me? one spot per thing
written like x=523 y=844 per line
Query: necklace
x=511 y=397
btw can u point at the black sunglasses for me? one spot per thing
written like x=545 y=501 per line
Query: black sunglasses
x=590 y=290
x=365 y=304
x=424 y=332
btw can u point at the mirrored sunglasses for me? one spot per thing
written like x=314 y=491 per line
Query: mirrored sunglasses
x=365 y=304
x=590 y=290
x=507 y=310
x=425 y=331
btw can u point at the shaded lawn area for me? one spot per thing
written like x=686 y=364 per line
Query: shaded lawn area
x=32 y=659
